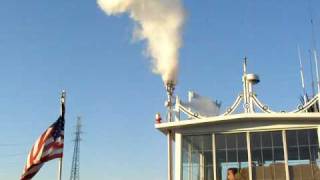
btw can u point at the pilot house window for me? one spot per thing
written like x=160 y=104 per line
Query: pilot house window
x=197 y=158
x=303 y=154
x=231 y=156
x=267 y=156
x=267 y=151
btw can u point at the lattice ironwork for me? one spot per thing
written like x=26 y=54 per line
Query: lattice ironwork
x=75 y=169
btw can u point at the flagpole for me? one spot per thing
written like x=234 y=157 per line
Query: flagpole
x=60 y=169
x=62 y=112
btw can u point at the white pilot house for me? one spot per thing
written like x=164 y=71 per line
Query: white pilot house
x=248 y=141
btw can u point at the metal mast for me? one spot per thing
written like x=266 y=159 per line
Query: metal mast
x=302 y=77
x=314 y=45
x=76 y=153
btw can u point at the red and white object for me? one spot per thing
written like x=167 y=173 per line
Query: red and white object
x=158 y=118
x=47 y=147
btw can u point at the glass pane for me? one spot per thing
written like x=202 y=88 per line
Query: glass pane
x=277 y=139
x=197 y=157
x=209 y=172
x=304 y=152
x=221 y=144
x=278 y=153
x=243 y=155
x=303 y=157
x=267 y=155
x=255 y=140
x=185 y=156
x=303 y=137
x=266 y=139
x=207 y=143
x=292 y=138
x=313 y=137
x=242 y=141
x=293 y=153
x=314 y=153
x=185 y=172
x=232 y=156
x=195 y=172
x=257 y=156
x=221 y=156
x=231 y=141
x=232 y=159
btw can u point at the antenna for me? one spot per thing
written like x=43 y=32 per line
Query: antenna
x=311 y=73
x=302 y=76
x=75 y=169
x=314 y=45
x=245 y=65
x=314 y=42
x=317 y=69
x=245 y=85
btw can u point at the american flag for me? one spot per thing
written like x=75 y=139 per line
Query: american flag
x=47 y=147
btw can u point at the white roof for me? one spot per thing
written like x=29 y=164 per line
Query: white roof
x=304 y=117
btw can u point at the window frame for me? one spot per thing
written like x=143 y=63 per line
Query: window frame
x=248 y=142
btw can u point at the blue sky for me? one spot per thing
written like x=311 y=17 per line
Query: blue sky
x=47 y=46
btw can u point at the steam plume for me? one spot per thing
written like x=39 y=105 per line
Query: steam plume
x=159 y=22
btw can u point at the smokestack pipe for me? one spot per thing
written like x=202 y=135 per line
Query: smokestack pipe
x=170 y=87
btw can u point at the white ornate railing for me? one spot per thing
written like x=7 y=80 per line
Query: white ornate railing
x=257 y=104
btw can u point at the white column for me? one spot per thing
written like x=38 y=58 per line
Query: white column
x=177 y=109
x=249 y=155
x=245 y=93
x=189 y=161
x=214 y=162
x=169 y=136
x=178 y=156
x=285 y=152
x=318 y=102
x=201 y=165
x=318 y=140
x=250 y=100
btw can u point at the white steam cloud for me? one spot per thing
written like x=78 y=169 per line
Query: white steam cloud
x=159 y=22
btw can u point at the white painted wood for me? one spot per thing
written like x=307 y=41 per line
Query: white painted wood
x=170 y=160
x=177 y=109
x=214 y=157
x=178 y=156
x=189 y=161
x=247 y=122
x=249 y=155
x=318 y=138
x=202 y=163
x=285 y=151
x=239 y=117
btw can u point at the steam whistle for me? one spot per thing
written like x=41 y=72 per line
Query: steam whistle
x=170 y=87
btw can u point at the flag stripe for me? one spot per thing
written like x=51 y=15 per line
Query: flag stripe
x=47 y=147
